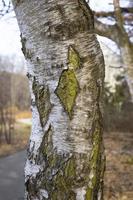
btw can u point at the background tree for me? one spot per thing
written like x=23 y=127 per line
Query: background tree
x=6 y=114
x=21 y=92
x=120 y=31
x=14 y=94
x=5 y=7
x=65 y=158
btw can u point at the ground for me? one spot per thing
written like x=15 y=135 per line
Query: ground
x=12 y=176
x=20 y=138
x=119 y=166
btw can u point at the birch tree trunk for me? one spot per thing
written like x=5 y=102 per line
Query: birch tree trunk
x=127 y=58
x=65 y=159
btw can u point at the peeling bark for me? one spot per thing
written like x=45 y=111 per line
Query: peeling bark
x=65 y=157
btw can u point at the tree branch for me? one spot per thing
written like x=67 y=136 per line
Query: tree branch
x=109 y=31
x=112 y=13
x=118 y=15
x=5 y=8
x=128 y=18
x=115 y=32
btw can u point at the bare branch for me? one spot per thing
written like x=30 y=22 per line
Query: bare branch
x=118 y=15
x=115 y=32
x=6 y=8
x=3 y=2
x=109 y=31
x=112 y=13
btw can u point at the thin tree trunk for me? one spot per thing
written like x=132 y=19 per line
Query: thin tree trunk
x=65 y=70
x=127 y=58
x=125 y=46
x=4 y=124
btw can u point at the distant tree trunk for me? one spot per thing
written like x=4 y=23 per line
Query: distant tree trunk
x=126 y=49
x=127 y=57
x=125 y=45
x=4 y=125
x=66 y=70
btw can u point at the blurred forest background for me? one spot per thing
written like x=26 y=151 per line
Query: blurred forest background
x=114 y=26
x=14 y=106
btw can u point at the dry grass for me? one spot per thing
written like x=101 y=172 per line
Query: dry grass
x=19 y=140
x=23 y=115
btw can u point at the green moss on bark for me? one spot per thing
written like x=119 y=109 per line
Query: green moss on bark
x=74 y=59
x=62 y=173
x=68 y=86
x=67 y=90
x=59 y=176
x=96 y=165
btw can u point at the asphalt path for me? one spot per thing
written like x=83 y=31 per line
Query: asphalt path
x=12 y=177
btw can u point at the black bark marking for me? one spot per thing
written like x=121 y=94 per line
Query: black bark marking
x=87 y=13
x=27 y=52
x=42 y=98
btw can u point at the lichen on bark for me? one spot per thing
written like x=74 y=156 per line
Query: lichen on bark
x=94 y=182
x=74 y=59
x=97 y=160
x=59 y=170
x=63 y=174
x=42 y=98
x=67 y=90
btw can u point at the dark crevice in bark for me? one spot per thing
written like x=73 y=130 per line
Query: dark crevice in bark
x=87 y=13
x=27 y=52
x=42 y=97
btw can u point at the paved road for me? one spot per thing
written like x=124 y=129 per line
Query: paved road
x=11 y=177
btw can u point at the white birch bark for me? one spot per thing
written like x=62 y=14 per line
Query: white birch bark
x=65 y=69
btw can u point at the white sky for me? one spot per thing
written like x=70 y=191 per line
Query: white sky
x=104 y=5
x=10 y=35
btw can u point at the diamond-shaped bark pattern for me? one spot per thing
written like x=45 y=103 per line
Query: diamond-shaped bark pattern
x=67 y=90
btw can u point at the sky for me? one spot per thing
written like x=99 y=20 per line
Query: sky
x=10 y=35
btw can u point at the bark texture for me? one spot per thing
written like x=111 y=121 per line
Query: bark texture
x=66 y=70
